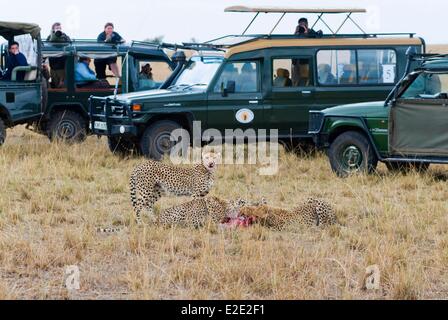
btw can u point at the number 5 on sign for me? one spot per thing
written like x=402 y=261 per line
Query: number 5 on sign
x=388 y=73
x=73 y=276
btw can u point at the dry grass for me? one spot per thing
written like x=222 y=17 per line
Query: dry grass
x=54 y=196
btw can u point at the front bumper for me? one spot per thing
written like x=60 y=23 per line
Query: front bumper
x=110 y=118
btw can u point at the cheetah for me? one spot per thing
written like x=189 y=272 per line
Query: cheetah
x=198 y=212
x=314 y=212
x=150 y=180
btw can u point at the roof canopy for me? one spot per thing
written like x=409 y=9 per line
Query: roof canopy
x=292 y=10
x=9 y=30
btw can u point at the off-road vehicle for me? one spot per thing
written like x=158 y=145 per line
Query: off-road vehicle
x=408 y=131
x=257 y=82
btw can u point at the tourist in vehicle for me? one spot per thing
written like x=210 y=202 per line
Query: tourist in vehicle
x=304 y=30
x=325 y=75
x=282 y=78
x=108 y=36
x=85 y=77
x=57 y=35
x=146 y=72
x=57 y=65
x=301 y=73
x=349 y=75
x=247 y=81
x=15 y=59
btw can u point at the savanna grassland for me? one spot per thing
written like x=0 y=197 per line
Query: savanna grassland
x=53 y=198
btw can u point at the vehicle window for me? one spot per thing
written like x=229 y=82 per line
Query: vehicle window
x=294 y=72
x=198 y=72
x=244 y=75
x=97 y=74
x=151 y=74
x=336 y=67
x=428 y=85
x=377 y=66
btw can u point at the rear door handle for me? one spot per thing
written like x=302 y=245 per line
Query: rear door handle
x=253 y=102
x=307 y=92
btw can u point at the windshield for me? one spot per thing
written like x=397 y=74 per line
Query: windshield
x=427 y=85
x=199 y=72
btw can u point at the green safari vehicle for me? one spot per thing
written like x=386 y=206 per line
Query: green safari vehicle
x=408 y=131
x=256 y=82
x=20 y=101
x=66 y=116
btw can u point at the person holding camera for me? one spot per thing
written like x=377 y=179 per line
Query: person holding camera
x=57 y=65
x=112 y=37
x=304 y=30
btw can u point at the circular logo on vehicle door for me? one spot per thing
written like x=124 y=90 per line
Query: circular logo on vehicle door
x=245 y=116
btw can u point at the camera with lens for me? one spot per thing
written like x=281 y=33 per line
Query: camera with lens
x=302 y=30
x=58 y=33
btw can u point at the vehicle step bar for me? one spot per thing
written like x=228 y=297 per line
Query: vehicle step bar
x=423 y=160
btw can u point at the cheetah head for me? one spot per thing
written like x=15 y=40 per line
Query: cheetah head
x=210 y=161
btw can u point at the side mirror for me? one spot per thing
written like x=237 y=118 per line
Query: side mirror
x=230 y=87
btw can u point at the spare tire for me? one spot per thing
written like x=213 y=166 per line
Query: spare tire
x=2 y=132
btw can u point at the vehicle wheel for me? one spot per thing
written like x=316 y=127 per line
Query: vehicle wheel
x=406 y=167
x=2 y=132
x=351 y=153
x=156 y=140
x=67 y=126
x=122 y=147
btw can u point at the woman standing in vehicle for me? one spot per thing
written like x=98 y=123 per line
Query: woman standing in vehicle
x=108 y=36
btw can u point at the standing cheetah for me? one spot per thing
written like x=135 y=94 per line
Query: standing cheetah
x=314 y=212
x=152 y=179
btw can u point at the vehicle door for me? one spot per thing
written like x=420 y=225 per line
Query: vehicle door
x=235 y=99
x=23 y=98
x=292 y=95
x=418 y=118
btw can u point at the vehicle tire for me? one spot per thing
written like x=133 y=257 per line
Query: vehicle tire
x=156 y=140
x=67 y=126
x=2 y=132
x=122 y=147
x=406 y=167
x=351 y=153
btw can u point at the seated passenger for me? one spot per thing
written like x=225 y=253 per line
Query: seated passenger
x=368 y=74
x=282 y=78
x=348 y=76
x=325 y=75
x=247 y=81
x=15 y=59
x=85 y=77
x=146 y=72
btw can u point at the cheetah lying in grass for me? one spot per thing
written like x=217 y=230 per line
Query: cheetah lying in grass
x=314 y=212
x=197 y=213
x=152 y=179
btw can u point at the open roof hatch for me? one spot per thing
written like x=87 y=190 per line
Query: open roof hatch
x=319 y=12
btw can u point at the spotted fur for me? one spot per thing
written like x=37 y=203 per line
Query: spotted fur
x=198 y=212
x=150 y=180
x=314 y=212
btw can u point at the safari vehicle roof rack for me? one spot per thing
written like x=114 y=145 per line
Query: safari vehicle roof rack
x=319 y=12
x=85 y=45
